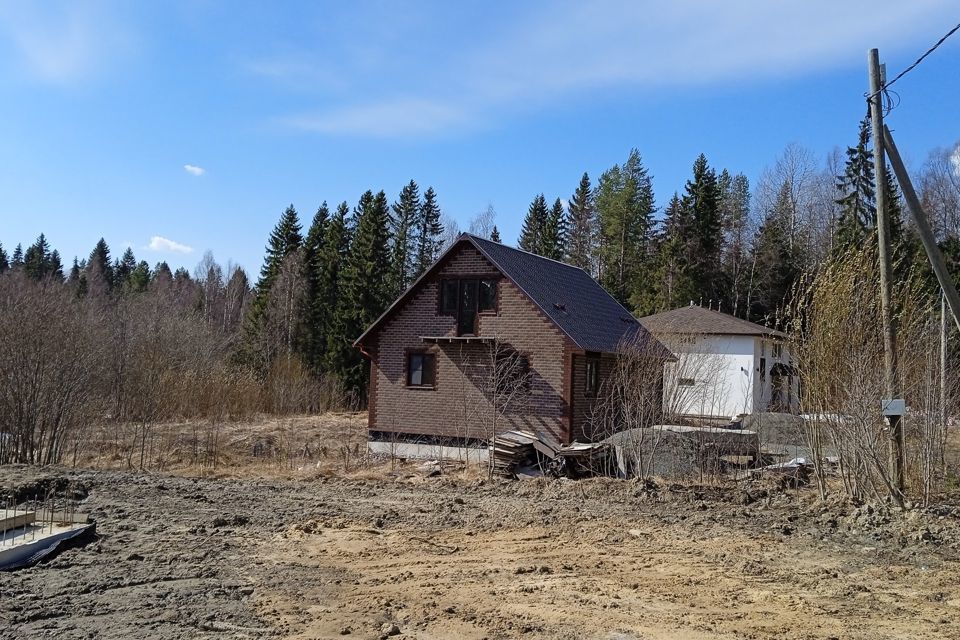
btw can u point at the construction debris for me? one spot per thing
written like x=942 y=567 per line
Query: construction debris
x=679 y=450
x=795 y=472
x=525 y=454
x=511 y=450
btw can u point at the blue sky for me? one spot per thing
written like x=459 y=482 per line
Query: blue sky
x=170 y=126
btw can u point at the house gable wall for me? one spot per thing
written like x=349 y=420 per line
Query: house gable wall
x=459 y=405
x=725 y=370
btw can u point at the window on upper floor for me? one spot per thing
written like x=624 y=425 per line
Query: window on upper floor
x=778 y=350
x=467 y=295
x=487 y=300
x=448 y=297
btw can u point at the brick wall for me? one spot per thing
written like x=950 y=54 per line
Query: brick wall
x=459 y=404
x=583 y=402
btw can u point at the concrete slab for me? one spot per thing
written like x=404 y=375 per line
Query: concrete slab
x=409 y=450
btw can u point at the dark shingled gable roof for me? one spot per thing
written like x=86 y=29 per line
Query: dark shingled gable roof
x=697 y=320
x=567 y=295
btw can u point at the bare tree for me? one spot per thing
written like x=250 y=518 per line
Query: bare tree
x=483 y=222
x=630 y=403
x=451 y=230
x=839 y=355
x=940 y=190
x=51 y=364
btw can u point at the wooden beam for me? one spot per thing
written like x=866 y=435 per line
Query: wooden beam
x=923 y=227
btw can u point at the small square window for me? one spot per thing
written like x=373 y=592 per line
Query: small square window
x=448 y=297
x=488 y=295
x=420 y=369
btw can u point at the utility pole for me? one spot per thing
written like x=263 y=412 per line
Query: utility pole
x=943 y=367
x=883 y=237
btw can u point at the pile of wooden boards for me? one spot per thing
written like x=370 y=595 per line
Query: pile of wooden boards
x=529 y=454
x=511 y=450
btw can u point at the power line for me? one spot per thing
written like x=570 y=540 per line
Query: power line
x=887 y=85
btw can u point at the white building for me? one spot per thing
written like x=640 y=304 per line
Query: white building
x=725 y=366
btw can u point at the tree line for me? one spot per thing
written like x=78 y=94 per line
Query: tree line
x=284 y=343
x=723 y=244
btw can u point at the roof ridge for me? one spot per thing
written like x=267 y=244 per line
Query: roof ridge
x=730 y=315
x=519 y=250
x=665 y=316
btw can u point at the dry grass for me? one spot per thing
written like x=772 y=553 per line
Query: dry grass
x=299 y=446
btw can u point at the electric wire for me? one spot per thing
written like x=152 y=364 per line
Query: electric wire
x=913 y=66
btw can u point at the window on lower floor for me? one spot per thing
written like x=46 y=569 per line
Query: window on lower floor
x=686 y=382
x=421 y=369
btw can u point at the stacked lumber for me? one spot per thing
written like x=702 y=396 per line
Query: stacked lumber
x=511 y=449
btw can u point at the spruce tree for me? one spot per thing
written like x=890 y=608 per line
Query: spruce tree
x=36 y=260
x=4 y=259
x=429 y=233
x=675 y=255
x=16 y=260
x=581 y=241
x=162 y=273
x=333 y=255
x=555 y=232
x=365 y=292
x=314 y=307
x=74 y=271
x=284 y=240
x=76 y=279
x=406 y=213
x=139 y=278
x=495 y=234
x=702 y=196
x=625 y=208
x=99 y=269
x=533 y=232
x=735 y=212
x=124 y=268
x=775 y=262
x=54 y=266
x=857 y=189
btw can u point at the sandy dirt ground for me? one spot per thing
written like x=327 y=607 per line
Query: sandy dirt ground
x=411 y=556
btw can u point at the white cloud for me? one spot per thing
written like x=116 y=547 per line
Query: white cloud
x=545 y=52
x=194 y=170
x=62 y=43
x=401 y=117
x=165 y=245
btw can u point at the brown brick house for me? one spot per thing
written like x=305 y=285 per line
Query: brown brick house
x=492 y=338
